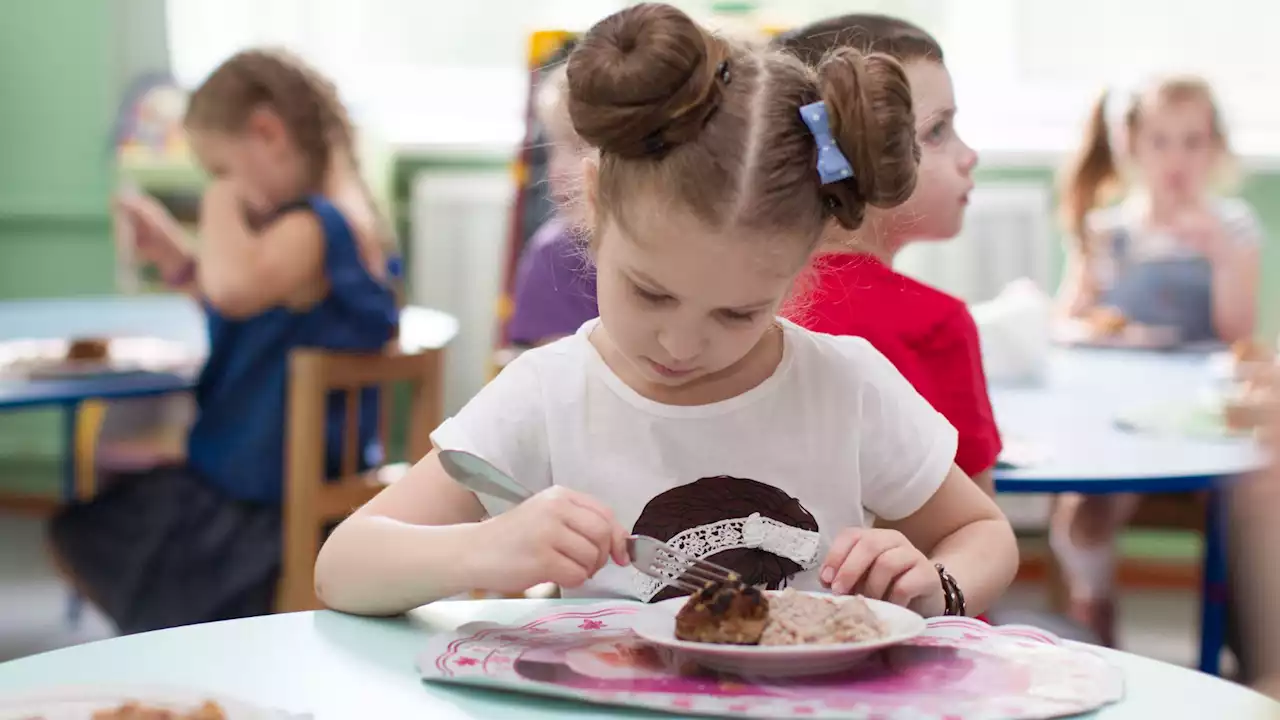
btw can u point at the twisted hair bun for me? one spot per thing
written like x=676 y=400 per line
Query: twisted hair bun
x=868 y=101
x=644 y=80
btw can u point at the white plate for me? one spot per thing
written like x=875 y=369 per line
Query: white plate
x=657 y=624
x=79 y=703
x=46 y=359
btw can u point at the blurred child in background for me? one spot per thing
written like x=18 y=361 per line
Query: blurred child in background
x=927 y=334
x=555 y=290
x=1171 y=254
x=292 y=253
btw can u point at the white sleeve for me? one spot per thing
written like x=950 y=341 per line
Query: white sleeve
x=905 y=447
x=505 y=423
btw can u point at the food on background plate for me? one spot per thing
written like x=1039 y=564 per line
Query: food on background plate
x=88 y=349
x=725 y=614
x=735 y=614
x=138 y=711
x=1106 y=321
x=1247 y=351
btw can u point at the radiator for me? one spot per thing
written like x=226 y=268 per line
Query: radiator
x=458 y=252
x=1008 y=231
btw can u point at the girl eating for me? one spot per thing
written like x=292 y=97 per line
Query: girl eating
x=718 y=170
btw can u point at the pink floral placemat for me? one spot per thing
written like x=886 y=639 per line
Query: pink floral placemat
x=960 y=669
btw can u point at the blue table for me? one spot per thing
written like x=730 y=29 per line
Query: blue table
x=168 y=317
x=1073 y=417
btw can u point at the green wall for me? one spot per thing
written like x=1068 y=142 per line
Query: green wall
x=63 y=69
x=58 y=93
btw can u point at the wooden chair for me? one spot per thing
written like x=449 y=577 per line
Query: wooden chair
x=312 y=502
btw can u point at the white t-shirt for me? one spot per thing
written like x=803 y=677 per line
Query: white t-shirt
x=776 y=472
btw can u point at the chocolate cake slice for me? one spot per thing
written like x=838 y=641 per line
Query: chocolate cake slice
x=725 y=614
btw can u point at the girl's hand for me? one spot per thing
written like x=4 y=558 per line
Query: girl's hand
x=157 y=236
x=883 y=564
x=557 y=536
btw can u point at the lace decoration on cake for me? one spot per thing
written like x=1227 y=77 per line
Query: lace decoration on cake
x=754 y=532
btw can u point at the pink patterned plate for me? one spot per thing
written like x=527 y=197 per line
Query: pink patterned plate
x=958 y=669
x=657 y=625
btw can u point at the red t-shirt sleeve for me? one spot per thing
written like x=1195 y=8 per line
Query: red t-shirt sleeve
x=958 y=390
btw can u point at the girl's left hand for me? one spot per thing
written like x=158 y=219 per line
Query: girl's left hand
x=883 y=564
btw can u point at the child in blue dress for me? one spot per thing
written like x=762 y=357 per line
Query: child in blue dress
x=291 y=255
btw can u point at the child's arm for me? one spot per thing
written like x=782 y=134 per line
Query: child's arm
x=160 y=241
x=424 y=538
x=242 y=273
x=429 y=520
x=962 y=529
x=1235 y=293
x=1077 y=293
x=1230 y=238
x=928 y=510
x=986 y=481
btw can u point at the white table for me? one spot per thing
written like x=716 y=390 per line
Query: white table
x=341 y=668
x=1072 y=416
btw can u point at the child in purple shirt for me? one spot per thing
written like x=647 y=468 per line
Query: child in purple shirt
x=555 y=289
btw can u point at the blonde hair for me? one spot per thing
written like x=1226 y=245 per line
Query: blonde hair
x=551 y=106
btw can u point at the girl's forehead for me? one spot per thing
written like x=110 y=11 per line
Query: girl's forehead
x=1177 y=111
x=685 y=256
x=932 y=91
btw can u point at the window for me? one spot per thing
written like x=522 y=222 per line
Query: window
x=412 y=70
x=1027 y=72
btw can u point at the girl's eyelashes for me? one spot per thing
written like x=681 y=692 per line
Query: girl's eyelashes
x=937 y=132
x=659 y=299
x=649 y=296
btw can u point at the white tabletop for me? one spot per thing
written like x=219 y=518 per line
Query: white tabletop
x=340 y=667
x=1072 y=418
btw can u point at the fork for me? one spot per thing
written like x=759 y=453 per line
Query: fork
x=663 y=562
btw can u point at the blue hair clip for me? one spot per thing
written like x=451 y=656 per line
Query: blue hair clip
x=833 y=166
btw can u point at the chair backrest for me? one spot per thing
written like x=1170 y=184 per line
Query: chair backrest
x=313 y=502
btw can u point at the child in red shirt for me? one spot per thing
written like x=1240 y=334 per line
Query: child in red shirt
x=927 y=334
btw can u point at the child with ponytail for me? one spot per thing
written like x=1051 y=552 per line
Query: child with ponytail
x=1151 y=245
x=292 y=254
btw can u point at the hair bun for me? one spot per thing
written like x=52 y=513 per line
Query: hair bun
x=868 y=100
x=644 y=80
